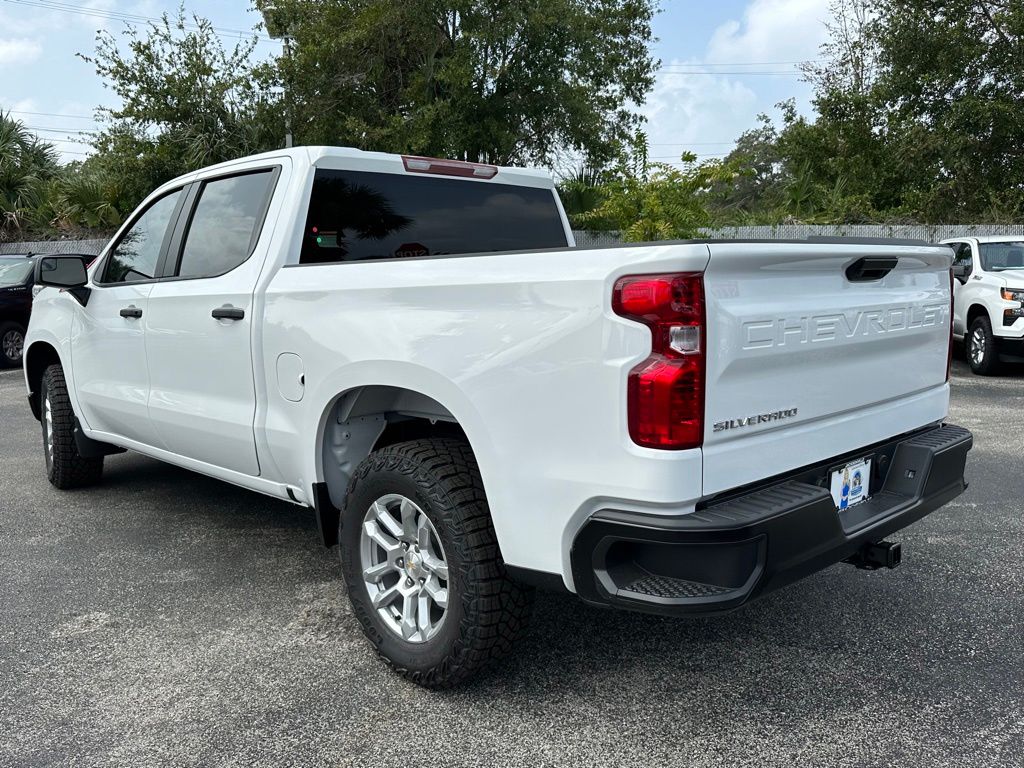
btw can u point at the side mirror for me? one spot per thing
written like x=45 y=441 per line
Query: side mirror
x=961 y=272
x=66 y=271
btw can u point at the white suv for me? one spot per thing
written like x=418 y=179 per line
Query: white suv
x=988 y=306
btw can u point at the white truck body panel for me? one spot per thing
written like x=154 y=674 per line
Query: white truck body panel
x=522 y=349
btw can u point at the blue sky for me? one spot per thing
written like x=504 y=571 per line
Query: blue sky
x=724 y=61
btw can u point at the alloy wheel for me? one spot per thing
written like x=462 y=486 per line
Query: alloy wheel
x=13 y=344
x=978 y=343
x=404 y=568
x=48 y=421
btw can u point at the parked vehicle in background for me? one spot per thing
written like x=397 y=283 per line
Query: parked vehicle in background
x=15 y=306
x=988 y=308
x=414 y=348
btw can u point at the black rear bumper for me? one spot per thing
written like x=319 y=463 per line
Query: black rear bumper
x=736 y=548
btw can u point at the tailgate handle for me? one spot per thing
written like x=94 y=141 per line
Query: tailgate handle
x=870 y=268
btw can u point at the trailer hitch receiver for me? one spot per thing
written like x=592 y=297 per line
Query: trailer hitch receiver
x=871 y=557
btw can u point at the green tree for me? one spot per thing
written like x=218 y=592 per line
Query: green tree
x=502 y=81
x=951 y=85
x=187 y=101
x=758 y=190
x=919 y=115
x=654 y=201
x=582 y=193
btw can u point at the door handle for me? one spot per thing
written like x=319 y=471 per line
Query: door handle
x=227 y=312
x=132 y=312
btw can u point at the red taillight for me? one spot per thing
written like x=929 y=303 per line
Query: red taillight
x=415 y=164
x=665 y=393
x=952 y=303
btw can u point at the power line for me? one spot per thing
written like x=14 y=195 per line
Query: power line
x=743 y=63
x=53 y=5
x=733 y=72
x=38 y=129
x=47 y=114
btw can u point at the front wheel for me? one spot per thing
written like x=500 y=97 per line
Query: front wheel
x=982 y=347
x=65 y=466
x=12 y=345
x=422 y=566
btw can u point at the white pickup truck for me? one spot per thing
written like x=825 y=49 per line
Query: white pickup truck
x=988 y=308
x=415 y=349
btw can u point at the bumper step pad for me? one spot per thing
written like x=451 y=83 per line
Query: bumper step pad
x=671 y=587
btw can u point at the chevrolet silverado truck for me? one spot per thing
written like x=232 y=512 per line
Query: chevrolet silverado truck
x=474 y=407
x=988 y=306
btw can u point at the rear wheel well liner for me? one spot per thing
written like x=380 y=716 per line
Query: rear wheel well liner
x=363 y=420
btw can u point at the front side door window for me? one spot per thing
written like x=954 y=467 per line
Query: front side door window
x=136 y=255
x=964 y=258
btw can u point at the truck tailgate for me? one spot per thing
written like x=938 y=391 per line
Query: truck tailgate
x=815 y=350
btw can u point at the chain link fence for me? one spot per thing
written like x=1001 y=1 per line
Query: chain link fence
x=89 y=247
x=932 y=233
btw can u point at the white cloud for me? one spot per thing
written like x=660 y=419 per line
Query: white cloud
x=771 y=30
x=706 y=113
x=20 y=50
x=695 y=113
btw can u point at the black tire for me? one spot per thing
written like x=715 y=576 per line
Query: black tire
x=486 y=610
x=982 y=347
x=12 y=345
x=65 y=468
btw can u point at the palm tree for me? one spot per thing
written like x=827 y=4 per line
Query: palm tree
x=27 y=168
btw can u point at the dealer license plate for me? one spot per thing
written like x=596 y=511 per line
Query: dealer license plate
x=850 y=484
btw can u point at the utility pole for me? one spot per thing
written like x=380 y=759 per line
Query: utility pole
x=287 y=94
x=279 y=29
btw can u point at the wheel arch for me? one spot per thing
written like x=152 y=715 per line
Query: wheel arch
x=973 y=312
x=37 y=358
x=364 y=419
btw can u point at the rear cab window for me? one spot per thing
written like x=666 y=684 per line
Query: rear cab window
x=367 y=216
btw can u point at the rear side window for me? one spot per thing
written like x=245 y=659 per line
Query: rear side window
x=136 y=254
x=226 y=223
x=355 y=216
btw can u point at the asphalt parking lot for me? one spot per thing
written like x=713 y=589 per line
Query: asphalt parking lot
x=167 y=619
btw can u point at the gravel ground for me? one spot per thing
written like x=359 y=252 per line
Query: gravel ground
x=168 y=619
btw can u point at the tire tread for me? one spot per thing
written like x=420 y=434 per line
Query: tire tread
x=68 y=469
x=496 y=609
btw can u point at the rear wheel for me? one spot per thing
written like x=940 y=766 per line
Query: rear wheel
x=982 y=347
x=12 y=344
x=65 y=467
x=422 y=566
